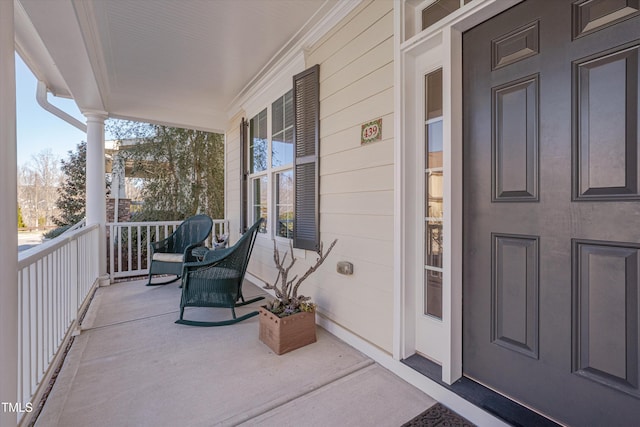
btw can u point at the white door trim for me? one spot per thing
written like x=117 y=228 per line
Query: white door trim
x=448 y=34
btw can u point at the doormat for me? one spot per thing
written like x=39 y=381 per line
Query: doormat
x=438 y=416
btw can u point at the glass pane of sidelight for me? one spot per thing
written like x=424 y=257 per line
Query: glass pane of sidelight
x=433 y=98
x=284 y=204
x=434 y=194
x=434 y=189
x=433 y=138
x=433 y=293
x=433 y=244
x=438 y=10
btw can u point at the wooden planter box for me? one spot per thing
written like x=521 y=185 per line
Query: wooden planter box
x=288 y=333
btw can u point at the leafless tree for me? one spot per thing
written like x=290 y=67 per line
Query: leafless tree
x=38 y=181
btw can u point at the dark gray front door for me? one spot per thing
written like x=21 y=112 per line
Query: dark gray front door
x=552 y=208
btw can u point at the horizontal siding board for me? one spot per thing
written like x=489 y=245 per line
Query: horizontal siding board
x=366 y=156
x=233 y=159
x=375 y=82
x=357 y=225
x=372 y=179
x=375 y=58
x=353 y=49
x=354 y=25
x=375 y=249
x=376 y=106
x=372 y=203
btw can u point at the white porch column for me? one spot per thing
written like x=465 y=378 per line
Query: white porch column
x=96 y=192
x=8 y=218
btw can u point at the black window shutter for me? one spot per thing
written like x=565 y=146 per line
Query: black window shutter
x=244 y=125
x=306 y=107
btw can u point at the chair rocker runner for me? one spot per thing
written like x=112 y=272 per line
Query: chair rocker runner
x=168 y=255
x=217 y=280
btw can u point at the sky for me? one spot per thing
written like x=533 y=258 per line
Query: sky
x=38 y=129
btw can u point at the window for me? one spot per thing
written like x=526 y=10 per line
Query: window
x=433 y=194
x=271 y=166
x=439 y=9
x=281 y=164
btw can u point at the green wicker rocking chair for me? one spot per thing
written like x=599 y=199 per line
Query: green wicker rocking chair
x=217 y=280
x=168 y=255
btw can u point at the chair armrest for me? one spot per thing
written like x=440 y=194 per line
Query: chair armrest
x=188 y=255
x=188 y=267
x=217 y=254
x=161 y=245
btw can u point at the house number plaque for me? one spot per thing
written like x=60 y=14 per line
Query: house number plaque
x=371 y=131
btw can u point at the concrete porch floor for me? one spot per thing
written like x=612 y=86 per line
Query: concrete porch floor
x=133 y=366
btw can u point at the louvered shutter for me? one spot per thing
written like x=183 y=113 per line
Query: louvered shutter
x=306 y=107
x=244 y=125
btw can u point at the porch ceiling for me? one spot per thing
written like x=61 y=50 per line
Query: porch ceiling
x=176 y=62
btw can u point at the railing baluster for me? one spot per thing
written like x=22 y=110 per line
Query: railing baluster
x=139 y=248
x=129 y=254
x=20 y=337
x=33 y=320
x=112 y=229
x=119 y=240
x=49 y=309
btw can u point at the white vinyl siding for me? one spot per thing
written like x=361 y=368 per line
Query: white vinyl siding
x=356 y=181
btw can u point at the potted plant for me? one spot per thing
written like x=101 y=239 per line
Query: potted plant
x=289 y=321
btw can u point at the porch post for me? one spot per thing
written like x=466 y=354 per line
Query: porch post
x=8 y=219
x=96 y=193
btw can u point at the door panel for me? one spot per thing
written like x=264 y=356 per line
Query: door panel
x=551 y=208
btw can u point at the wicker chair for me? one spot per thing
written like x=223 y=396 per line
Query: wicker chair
x=168 y=255
x=217 y=280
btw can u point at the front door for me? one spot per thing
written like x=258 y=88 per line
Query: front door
x=552 y=208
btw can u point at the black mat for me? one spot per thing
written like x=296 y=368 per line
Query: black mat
x=438 y=416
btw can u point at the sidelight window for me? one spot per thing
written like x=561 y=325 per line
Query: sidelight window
x=433 y=212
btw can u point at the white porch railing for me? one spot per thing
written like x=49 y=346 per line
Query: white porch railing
x=55 y=281
x=129 y=244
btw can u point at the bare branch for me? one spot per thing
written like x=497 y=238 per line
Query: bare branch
x=313 y=268
x=284 y=287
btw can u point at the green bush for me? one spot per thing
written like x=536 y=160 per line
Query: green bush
x=52 y=234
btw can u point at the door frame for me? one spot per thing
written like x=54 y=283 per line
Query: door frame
x=408 y=222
